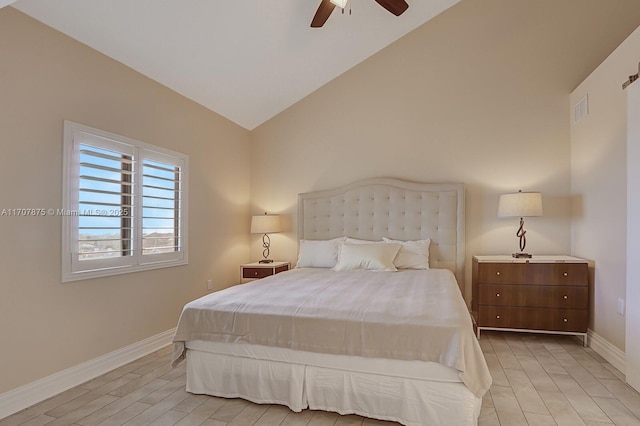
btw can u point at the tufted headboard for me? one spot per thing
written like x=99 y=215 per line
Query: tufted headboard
x=393 y=208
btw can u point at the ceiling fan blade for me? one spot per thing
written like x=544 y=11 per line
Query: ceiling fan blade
x=322 y=14
x=397 y=7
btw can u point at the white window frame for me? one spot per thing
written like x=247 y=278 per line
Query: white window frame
x=74 y=269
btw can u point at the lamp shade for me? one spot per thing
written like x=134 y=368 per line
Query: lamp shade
x=265 y=224
x=520 y=204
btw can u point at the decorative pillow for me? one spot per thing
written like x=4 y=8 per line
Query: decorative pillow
x=318 y=253
x=412 y=254
x=366 y=257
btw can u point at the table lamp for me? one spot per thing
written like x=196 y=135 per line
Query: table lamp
x=520 y=204
x=265 y=224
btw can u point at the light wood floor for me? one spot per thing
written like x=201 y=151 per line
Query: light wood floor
x=537 y=380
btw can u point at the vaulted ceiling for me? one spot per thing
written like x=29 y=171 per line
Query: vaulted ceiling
x=247 y=60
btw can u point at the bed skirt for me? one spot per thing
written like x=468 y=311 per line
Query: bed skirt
x=409 y=401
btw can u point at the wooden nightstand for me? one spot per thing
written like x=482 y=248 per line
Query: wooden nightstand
x=254 y=271
x=543 y=294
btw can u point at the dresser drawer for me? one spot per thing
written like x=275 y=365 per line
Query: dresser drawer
x=547 y=296
x=553 y=319
x=572 y=274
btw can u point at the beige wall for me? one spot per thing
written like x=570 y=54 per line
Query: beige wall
x=45 y=78
x=599 y=184
x=473 y=96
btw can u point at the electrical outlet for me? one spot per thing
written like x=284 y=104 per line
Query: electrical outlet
x=209 y=285
x=621 y=306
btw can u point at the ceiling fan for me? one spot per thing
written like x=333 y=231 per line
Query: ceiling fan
x=397 y=7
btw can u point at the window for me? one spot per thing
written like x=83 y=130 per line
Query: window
x=124 y=205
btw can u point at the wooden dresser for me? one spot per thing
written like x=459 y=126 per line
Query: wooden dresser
x=543 y=294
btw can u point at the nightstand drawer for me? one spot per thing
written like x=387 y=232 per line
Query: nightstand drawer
x=534 y=318
x=533 y=273
x=534 y=296
x=256 y=272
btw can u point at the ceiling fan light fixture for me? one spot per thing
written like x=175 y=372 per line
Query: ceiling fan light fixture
x=396 y=7
x=340 y=3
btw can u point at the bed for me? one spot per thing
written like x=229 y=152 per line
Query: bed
x=361 y=326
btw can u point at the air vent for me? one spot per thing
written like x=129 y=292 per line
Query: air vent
x=581 y=109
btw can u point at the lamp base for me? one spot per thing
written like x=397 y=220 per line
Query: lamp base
x=266 y=261
x=522 y=255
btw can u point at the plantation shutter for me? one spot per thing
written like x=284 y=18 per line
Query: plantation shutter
x=105 y=203
x=162 y=201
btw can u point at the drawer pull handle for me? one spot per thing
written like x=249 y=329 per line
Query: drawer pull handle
x=498 y=273
x=565 y=320
x=255 y=273
x=497 y=294
x=565 y=297
x=566 y=274
x=497 y=316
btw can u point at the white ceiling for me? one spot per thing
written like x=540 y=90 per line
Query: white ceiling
x=247 y=60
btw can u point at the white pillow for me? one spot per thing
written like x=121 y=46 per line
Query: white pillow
x=366 y=257
x=318 y=253
x=412 y=254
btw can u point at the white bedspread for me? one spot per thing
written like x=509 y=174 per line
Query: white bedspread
x=407 y=315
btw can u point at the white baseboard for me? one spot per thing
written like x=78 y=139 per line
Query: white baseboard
x=607 y=351
x=25 y=396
